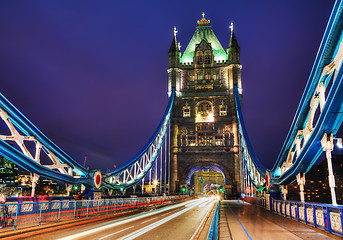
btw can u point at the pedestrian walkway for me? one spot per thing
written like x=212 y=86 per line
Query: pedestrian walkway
x=240 y=220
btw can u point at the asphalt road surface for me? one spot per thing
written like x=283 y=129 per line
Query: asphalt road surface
x=174 y=222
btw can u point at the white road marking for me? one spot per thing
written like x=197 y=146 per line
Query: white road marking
x=149 y=220
x=116 y=232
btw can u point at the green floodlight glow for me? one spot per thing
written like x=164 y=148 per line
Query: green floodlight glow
x=183 y=189
x=121 y=189
x=76 y=187
x=221 y=190
x=204 y=33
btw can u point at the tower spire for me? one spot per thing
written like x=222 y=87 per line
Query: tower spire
x=174 y=46
x=231 y=27
x=233 y=40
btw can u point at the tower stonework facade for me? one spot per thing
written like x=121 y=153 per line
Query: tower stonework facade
x=203 y=125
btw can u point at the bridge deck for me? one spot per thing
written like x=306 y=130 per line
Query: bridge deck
x=241 y=220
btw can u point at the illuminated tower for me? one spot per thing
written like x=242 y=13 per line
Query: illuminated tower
x=203 y=130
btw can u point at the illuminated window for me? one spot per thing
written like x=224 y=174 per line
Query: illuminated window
x=204 y=112
x=199 y=57
x=204 y=107
x=191 y=140
x=204 y=139
x=222 y=110
x=219 y=140
x=186 y=111
x=207 y=59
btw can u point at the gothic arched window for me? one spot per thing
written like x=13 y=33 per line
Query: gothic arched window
x=199 y=57
x=204 y=112
x=208 y=57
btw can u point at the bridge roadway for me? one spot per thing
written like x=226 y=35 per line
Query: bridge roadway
x=238 y=220
x=242 y=221
x=173 y=222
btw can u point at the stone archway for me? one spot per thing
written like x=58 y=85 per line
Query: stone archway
x=209 y=185
x=207 y=172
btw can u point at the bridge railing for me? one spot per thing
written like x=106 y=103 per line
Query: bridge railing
x=323 y=216
x=213 y=233
x=28 y=214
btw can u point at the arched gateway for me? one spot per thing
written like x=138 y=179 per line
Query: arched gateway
x=203 y=125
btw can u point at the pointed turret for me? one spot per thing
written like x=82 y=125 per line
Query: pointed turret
x=174 y=52
x=233 y=49
x=174 y=46
x=174 y=70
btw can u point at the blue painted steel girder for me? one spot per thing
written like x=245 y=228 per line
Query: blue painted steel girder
x=324 y=57
x=329 y=122
x=157 y=137
x=22 y=123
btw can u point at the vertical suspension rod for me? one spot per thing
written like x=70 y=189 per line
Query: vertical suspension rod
x=165 y=164
x=161 y=165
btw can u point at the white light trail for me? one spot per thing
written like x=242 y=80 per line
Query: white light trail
x=205 y=203
x=116 y=232
x=158 y=223
x=149 y=220
x=207 y=213
x=125 y=220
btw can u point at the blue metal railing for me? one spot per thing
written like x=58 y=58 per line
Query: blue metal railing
x=323 y=216
x=28 y=214
x=213 y=233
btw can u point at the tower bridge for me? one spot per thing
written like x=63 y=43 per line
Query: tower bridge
x=201 y=145
x=204 y=132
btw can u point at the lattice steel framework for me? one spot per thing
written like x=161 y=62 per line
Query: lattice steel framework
x=134 y=171
x=311 y=133
x=22 y=143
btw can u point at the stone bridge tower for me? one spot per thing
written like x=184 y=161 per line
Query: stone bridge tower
x=204 y=143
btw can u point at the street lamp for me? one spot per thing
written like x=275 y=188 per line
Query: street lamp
x=339 y=143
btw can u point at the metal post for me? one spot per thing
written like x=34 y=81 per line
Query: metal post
x=248 y=186
x=40 y=214
x=59 y=210
x=314 y=217
x=169 y=158
x=305 y=213
x=16 y=217
x=165 y=164
x=142 y=186
x=34 y=177
x=74 y=209
x=327 y=145
x=252 y=188
x=301 y=183
x=108 y=202
x=68 y=188
x=156 y=162
x=87 y=207
x=284 y=191
x=98 y=207
x=161 y=165
x=150 y=181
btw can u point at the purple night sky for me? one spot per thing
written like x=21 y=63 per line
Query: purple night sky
x=92 y=75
